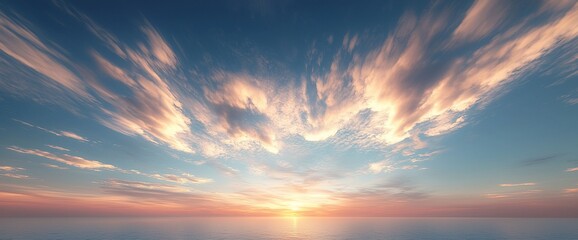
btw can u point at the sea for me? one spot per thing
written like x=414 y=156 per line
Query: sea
x=287 y=228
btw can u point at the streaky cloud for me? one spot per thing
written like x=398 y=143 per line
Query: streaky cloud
x=21 y=44
x=71 y=160
x=517 y=184
x=67 y=134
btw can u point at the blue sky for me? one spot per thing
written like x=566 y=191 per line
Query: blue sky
x=449 y=108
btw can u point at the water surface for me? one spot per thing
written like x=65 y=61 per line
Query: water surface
x=288 y=228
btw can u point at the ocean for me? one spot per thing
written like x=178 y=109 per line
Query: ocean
x=288 y=228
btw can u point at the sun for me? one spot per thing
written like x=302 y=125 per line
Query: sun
x=293 y=209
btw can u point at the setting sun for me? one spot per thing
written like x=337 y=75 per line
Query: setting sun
x=295 y=207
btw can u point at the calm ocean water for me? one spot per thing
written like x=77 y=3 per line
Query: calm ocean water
x=287 y=228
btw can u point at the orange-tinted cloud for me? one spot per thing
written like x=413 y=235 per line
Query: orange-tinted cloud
x=75 y=161
x=155 y=111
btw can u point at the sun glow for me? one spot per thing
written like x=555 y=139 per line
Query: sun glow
x=295 y=207
x=292 y=209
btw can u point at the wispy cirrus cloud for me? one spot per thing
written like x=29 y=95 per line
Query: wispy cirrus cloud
x=58 y=148
x=23 y=45
x=9 y=171
x=67 y=134
x=15 y=175
x=539 y=160
x=482 y=18
x=183 y=178
x=71 y=160
x=513 y=194
x=401 y=85
x=155 y=111
x=373 y=97
x=73 y=136
x=571 y=190
x=54 y=166
x=10 y=168
x=83 y=163
x=221 y=167
x=572 y=169
x=116 y=185
x=517 y=184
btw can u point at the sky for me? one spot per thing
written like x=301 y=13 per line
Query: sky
x=289 y=108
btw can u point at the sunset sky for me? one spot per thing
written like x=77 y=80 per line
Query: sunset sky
x=289 y=108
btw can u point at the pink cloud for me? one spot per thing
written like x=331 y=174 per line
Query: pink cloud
x=571 y=190
x=19 y=42
x=482 y=18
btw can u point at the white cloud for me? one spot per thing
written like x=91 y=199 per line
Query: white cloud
x=381 y=166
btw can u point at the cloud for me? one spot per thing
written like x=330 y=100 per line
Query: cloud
x=572 y=169
x=58 y=148
x=183 y=178
x=482 y=18
x=154 y=111
x=400 y=89
x=517 y=194
x=239 y=105
x=54 y=166
x=571 y=190
x=534 y=161
x=381 y=166
x=409 y=167
x=397 y=89
x=145 y=188
x=15 y=175
x=9 y=172
x=75 y=161
x=67 y=134
x=517 y=184
x=10 y=168
x=223 y=168
x=380 y=199
x=571 y=101
x=73 y=136
x=444 y=125
x=21 y=44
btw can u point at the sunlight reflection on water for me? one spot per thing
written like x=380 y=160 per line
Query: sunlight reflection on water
x=287 y=228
